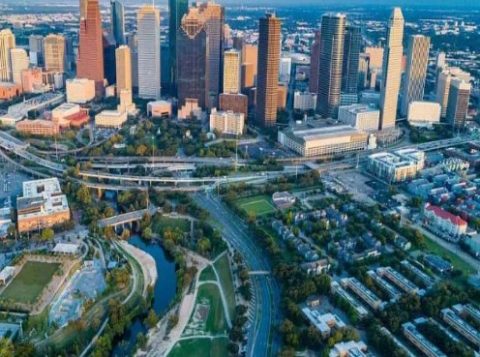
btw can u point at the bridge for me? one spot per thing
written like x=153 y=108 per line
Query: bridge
x=127 y=218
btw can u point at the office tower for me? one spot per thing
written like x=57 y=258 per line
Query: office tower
x=416 y=74
x=123 y=66
x=441 y=60
x=192 y=59
x=351 y=59
x=20 y=62
x=7 y=42
x=392 y=67
x=148 y=37
x=314 y=64
x=69 y=54
x=363 y=71
x=109 y=58
x=90 y=48
x=231 y=72
x=458 y=100
x=117 y=13
x=35 y=47
x=83 y=9
x=331 y=64
x=132 y=43
x=444 y=80
x=375 y=56
x=270 y=33
x=177 y=9
x=54 y=47
x=214 y=17
x=285 y=69
x=249 y=65
x=238 y=42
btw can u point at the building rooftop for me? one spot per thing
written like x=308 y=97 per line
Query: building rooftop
x=445 y=215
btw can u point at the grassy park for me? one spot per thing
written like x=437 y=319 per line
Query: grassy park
x=223 y=269
x=163 y=223
x=215 y=322
x=29 y=283
x=216 y=347
x=208 y=274
x=256 y=205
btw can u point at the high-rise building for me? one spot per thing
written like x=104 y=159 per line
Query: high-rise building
x=124 y=68
x=392 y=70
x=7 y=42
x=214 y=17
x=458 y=100
x=270 y=33
x=90 y=48
x=35 y=47
x=117 y=13
x=249 y=65
x=20 y=62
x=332 y=42
x=441 y=60
x=109 y=58
x=177 y=9
x=132 y=43
x=54 y=48
x=231 y=72
x=351 y=58
x=444 y=80
x=192 y=59
x=285 y=69
x=83 y=9
x=417 y=63
x=314 y=64
x=148 y=37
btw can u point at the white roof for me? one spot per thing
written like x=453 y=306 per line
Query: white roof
x=66 y=248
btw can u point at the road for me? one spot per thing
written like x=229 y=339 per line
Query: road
x=265 y=289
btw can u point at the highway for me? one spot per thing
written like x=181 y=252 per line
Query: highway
x=266 y=293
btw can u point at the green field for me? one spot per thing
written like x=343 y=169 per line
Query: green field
x=160 y=225
x=223 y=269
x=216 y=323
x=457 y=262
x=256 y=205
x=201 y=347
x=208 y=274
x=28 y=285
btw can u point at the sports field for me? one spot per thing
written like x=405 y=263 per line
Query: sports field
x=29 y=283
x=256 y=205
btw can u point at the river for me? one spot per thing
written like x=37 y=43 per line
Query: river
x=164 y=293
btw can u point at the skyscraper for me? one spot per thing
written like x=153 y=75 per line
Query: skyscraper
x=117 y=21
x=314 y=64
x=331 y=63
x=392 y=70
x=83 y=9
x=351 y=58
x=132 y=43
x=231 y=72
x=444 y=80
x=416 y=74
x=35 y=47
x=90 y=48
x=148 y=37
x=270 y=33
x=124 y=68
x=458 y=100
x=214 y=17
x=7 y=42
x=54 y=48
x=177 y=9
x=109 y=46
x=249 y=65
x=192 y=59
x=20 y=62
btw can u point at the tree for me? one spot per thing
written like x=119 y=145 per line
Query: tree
x=6 y=348
x=147 y=233
x=151 y=319
x=83 y=195
x=47 y=234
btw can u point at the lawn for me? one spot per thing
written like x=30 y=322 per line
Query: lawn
x=457 y=262
x=160 y=225
x=208 y=274
x=256 y=205
x=223 y=269
x=201 y=347
x=28 y=285
x=216 y=323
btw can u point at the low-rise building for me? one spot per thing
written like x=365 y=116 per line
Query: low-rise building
x=38 y=127
x=229 y=123
x=304 y=101
x=111 y=119
x=324 y=323
x=9 y=90
x=461 y=326
x=70 y=115
x=325 y=141
x=190 y=110
x=419 y=341
x=42 y=205
x=80 y=90
x=159 y=109
x=399 y=280
x=349 y=349
x=283 y=200
x=450 y=225
x=363 y=292
x=6 y=274
x=66 y=248
x=397 y=166
x=360 y=116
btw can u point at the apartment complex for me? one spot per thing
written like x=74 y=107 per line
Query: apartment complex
x=396 y=166
x=227 y=122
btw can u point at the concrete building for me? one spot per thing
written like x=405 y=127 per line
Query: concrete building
x=69 y=115
x=267 y=71
x=232 y=72
x=461 y=326
x=444 y=81
x=9 y=90
x=159 y=109
x=80 y=91
x=249 y=65
x=54 y=50
x=325 y=141
x=110 y=119
x=324 y=323
x=399 y=280
x=458 y=100
x=190 y=110
x=7 y=42
x=363 y=292
x=424 y=113
x=444 y=221
x=349 y=349
x=392 y=70
x=359 y=309
x=282 y=95
x=123 y=59
x=148 y=48
x=32 y=81
x=35 y=50
x=285 y=70
x=304 y=101
x=398 y=166
x=126 y=102
x=237 y=103
x=360 y=116
x=416 y=74
x=20 y=62
x=90 y=48
x=229 y=123
x=38 y=127
x=332 y=41
x=42 y=205
x=419 y=341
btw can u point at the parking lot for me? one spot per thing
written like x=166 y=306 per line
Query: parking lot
x=11 y=181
